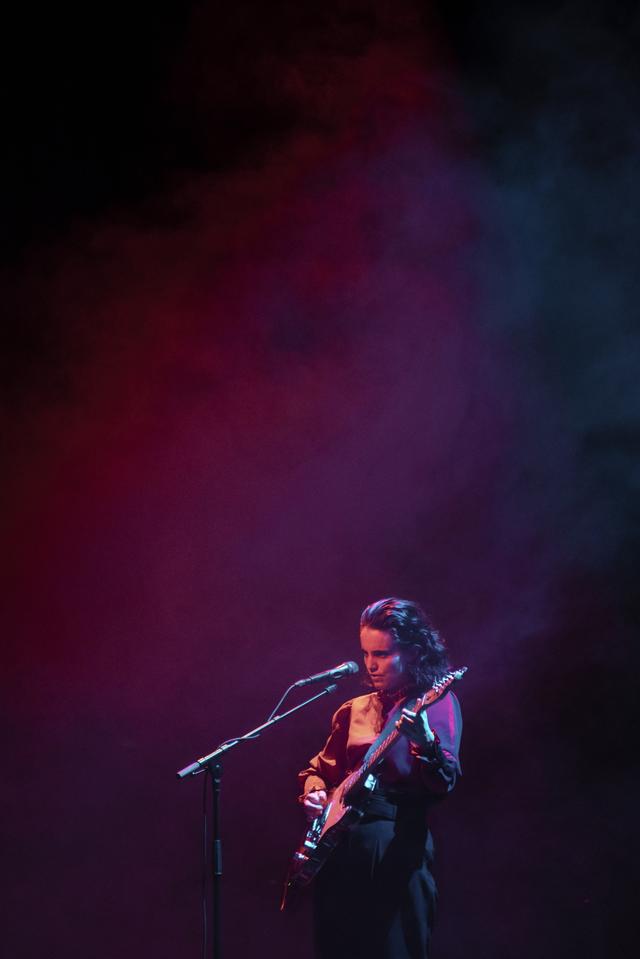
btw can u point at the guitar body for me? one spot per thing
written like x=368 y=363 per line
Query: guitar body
x=348 y=802
x=327 y=830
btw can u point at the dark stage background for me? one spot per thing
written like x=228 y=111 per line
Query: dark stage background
x=308 y=305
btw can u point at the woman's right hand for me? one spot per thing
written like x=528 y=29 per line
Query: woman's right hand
x=314 y=802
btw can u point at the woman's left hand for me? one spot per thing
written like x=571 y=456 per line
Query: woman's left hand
x=416 y=728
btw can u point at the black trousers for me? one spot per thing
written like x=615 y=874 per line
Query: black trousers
x=375 y=897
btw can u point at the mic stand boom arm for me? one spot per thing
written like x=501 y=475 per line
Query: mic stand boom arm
x=212 y=764
x=200 y=765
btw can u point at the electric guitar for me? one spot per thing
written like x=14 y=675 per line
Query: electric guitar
x=348 y=801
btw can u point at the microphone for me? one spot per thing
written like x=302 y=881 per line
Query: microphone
x=344 y=669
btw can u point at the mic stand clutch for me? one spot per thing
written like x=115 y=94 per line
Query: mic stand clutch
x=212 y=765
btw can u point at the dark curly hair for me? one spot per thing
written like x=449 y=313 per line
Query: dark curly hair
x=410 y=627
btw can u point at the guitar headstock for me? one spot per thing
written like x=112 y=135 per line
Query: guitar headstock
x=441 y=687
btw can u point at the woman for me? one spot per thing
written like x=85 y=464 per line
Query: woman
x=375 y=896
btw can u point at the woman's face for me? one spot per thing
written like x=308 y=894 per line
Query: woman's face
x=385 y=662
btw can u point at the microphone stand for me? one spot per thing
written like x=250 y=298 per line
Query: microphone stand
x=211 y=764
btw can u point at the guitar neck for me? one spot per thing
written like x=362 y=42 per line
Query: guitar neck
x=437 y=691
x=376 y=757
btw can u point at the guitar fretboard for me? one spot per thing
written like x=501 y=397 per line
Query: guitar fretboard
x=357 y=778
